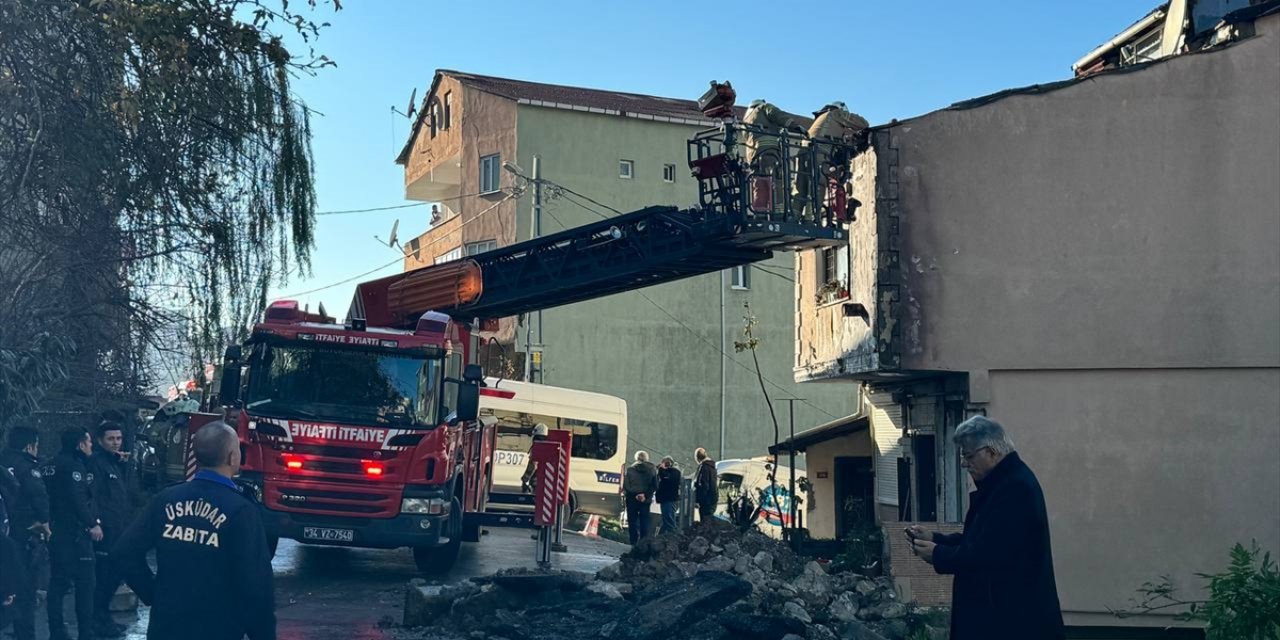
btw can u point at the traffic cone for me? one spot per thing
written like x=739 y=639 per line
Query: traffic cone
x=592 y=527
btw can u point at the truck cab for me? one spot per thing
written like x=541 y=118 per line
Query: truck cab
x=362 y=436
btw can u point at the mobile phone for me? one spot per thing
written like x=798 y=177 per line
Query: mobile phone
x=906 y=531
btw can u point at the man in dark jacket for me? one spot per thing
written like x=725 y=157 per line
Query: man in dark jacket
x=109 y=489
x=706 y=491
x=74 y=518
x=1004 y=588
x=28 y=522
x=669 y=479
x=213 y=570
x=639 y=486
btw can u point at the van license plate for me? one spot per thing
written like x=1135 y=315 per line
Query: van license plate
x=328 y=535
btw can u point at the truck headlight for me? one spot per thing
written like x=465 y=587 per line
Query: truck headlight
x=430 y=506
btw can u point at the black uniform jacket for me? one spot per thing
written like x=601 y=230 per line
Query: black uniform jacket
x=31 y=504
x=213 y=577
x=1004 y=586
x=109 y=491
x=72 y=509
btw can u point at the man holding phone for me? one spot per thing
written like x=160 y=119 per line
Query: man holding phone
x=1004 y=586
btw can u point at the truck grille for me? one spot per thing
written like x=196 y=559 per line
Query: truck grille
x=333 y=499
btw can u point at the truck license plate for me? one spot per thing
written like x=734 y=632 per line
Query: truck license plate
x=328 y=535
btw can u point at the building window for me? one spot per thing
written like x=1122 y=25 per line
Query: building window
x=1144 y=49
x=433 y=118
x=448 y=110
x=453 y=254
x=480 y=247
x=833 y=274
x=740 y=277
x=668 y=173
x=489 y=168
x=626 y=169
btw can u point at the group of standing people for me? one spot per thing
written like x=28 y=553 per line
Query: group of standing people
x=72 y=509
x=213 y=577
x=644 y=483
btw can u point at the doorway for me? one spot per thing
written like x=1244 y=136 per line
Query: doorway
x=855 y=495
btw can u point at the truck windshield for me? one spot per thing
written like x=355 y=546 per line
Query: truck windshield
x=344 y=385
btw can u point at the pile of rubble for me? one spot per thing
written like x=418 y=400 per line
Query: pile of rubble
x=708 y=583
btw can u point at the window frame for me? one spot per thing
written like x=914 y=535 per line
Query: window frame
x=455 y=253
x=669 y=169
x=740 y=277
x=491 y=167
x=448 y=110
x=478 y=247
x=631 y=169
x=827 y=270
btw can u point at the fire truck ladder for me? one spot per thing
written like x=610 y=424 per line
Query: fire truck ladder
x=729 y=227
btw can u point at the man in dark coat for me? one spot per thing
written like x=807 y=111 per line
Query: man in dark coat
x=639 y=485
x=109 y=490
x=706 y=490
x=73 y=514
x=669 y=480
x=213 y=570
x=1004 y=587
x=28 y=522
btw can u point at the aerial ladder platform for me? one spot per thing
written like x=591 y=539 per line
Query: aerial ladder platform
x=743 y=216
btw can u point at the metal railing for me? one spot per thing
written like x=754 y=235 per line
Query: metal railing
x=747 y=172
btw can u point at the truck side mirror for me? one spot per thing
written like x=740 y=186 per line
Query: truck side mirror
x=473 y=373
x=468 y=402
x=229 y=390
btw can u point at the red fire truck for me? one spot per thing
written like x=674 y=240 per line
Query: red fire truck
x=363 y=436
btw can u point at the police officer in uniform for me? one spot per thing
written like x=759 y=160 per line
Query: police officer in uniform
x=75 y=528
x=213 y=578
x=108 y=466
x=28 y=521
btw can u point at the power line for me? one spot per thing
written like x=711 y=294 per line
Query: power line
x=722 y=353
x=396 y=206
x=774 y=273
x=511 y=195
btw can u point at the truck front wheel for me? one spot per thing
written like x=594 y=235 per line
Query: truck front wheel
x=440 y=559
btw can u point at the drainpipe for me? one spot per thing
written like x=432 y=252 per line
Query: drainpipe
x=723 y=363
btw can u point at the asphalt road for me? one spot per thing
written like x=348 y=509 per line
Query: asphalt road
x=331 y=593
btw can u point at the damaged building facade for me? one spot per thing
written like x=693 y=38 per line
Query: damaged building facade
x=1095 y=264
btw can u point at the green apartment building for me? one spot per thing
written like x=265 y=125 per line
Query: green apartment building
x=667 y=350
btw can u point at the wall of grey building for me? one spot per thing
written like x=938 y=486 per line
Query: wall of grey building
x=668 y=369
x=1104 y=261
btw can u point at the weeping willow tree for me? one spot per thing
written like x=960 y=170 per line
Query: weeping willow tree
x=155 y=178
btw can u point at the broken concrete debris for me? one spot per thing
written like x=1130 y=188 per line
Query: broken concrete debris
x=708 y=583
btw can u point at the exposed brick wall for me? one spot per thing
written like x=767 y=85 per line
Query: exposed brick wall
x=915 y=579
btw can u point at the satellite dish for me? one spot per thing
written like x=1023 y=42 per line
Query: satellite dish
x=394 y=227
x=413 y=104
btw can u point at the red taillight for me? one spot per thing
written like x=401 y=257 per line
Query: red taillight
x=498 y=393
x=292 y=463
x=372 y=468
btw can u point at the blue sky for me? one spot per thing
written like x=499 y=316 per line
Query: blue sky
x=885 y=60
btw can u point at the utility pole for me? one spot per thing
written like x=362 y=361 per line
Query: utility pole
x=724 y=357
x=537 y=232
x=790 y=525
x=533 y=354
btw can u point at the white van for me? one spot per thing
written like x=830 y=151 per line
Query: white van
x=752 y=475
x=599 y=426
